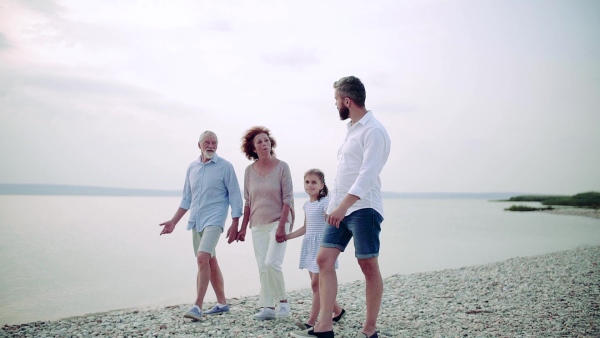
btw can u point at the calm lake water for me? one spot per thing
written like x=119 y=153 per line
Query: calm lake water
x=64 y=256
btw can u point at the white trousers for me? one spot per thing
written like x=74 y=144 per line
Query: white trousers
x=269 y=256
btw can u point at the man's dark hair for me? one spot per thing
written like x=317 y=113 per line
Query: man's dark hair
x=353 y=88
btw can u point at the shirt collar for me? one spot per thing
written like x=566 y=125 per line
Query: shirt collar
x=363 y=120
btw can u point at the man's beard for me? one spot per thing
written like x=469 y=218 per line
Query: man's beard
x=209 y=154
x=344 y=113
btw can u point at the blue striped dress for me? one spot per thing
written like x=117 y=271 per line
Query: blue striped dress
x=314 y=213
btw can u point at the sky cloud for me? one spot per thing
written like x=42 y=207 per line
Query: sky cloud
x=477 y=96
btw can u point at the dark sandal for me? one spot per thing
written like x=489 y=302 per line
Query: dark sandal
x=340 y=316
x=303 y=326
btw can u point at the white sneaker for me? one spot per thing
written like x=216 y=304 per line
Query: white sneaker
x=284 y=310
x=265 y=314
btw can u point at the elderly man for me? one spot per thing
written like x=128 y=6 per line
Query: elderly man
x=211 y=186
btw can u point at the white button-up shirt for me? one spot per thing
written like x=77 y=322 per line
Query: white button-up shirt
x=360 y=161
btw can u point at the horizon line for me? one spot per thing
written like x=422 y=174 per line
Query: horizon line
x=72 y=189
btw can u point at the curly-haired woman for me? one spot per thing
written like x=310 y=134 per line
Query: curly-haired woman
x=269 y=212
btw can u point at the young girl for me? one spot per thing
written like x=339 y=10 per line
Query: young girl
x=314 y=224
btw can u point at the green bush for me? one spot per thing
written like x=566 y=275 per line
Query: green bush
x=587 y=199
x=533 y=198
x=526 y=208
x=558 y=201
x=590 y=199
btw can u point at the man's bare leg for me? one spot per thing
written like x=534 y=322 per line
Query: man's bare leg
x=374 y=292
x=203 y=278
x=216 y=280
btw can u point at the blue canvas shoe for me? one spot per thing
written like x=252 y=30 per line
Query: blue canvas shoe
x=194 y=314
x=217 y=310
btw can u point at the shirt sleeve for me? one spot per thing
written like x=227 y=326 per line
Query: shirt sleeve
x=372 y=164
x=233 y=189
x=246 y=186
x=186 y=199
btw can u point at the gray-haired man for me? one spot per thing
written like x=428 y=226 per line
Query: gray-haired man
x=211 y=186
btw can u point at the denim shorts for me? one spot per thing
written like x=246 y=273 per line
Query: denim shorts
x=364 y=225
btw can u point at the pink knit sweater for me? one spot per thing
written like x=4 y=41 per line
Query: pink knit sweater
x=266 y=195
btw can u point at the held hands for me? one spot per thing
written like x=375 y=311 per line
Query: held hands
x=169 y=226
x=234 y=235
x=241 y=236
x=280 y=235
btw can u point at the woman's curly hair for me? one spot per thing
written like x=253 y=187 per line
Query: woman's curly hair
x=248 y=141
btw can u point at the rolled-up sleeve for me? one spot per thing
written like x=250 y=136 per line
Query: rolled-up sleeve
x=235 y=196
x=186 y=199
x=374 y=150
x=247 y=187
x=287 y=190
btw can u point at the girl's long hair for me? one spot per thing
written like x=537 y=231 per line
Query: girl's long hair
x=323 y=192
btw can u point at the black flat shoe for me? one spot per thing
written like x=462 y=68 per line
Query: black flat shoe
x=303 y=326
x=339 y=317
x=364 y=335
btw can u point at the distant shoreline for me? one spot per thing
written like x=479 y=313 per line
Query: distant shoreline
x=570 y=211
x=79 y=190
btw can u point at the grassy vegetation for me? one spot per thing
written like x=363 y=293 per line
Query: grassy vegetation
x=526 y=208
x=583 y=200
x=535 y=198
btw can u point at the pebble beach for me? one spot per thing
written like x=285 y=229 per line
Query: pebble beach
x=552 y=295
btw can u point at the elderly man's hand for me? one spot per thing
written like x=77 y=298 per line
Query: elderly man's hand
x=168 y=227
x=232 y=234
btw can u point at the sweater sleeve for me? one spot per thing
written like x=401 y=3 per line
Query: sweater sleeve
x=246 y=187
x=287 y=190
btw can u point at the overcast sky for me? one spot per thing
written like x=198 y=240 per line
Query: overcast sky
x=477 y=96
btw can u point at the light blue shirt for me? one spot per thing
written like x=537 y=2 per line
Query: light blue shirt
x=210 y=188
x=360 y=161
